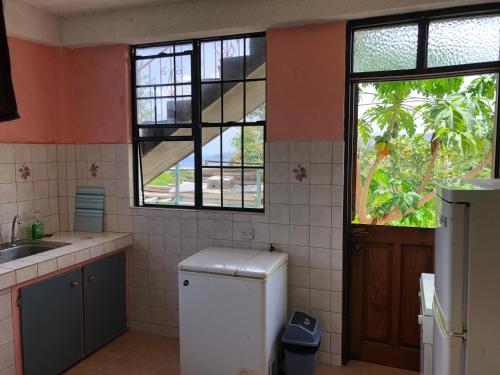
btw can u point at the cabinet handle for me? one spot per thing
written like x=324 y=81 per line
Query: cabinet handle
x=74 y=284
x=91 y=278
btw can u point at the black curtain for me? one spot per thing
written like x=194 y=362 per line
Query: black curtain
x=8 y=106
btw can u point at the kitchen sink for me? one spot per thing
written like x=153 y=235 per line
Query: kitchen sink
x=24 y=249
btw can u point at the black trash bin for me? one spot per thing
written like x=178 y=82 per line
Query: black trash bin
x=301 y=341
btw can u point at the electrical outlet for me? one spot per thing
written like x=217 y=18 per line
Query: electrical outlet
x=247 y=234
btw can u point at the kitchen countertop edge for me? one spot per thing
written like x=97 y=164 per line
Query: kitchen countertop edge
x=82 y=247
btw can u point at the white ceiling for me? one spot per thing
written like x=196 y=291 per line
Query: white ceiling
x=65 y=8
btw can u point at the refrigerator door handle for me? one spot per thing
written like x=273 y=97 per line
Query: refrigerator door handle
x=438 y=316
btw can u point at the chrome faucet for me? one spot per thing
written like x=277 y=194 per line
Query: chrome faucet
x=13 y=238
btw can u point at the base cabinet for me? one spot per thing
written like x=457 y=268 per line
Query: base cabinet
x=51 y=324
x=104 y=305
x=69 y=316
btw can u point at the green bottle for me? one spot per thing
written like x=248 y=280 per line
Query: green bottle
x=37 y=229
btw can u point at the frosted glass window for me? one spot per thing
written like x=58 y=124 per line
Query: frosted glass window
x=464 y=41
x=385 y=48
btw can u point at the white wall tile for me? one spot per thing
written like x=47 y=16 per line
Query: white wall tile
x=299 y=235
x=22 y=153
x=299 y=194
x=279 y=193
x=321 y=195
x=7 y=154
x=280 y=152
x=7 y=173
x=320 y=237
x=299 y=256
x=320 y=257
x=320 y=216
x=319 y=299
x=321 y=152
x=338 y=174
x=299 y=276
x=279 y=234
x=299 y=214
x=320 y=278
x=278 y=173
x=300 y=152
x=223 y=230
x=279 y=213
x=321 y=174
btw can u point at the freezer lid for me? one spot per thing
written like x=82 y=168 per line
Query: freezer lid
x=234 y=262
x=263 y=264
x=469 y=191
x=217 y=260
x=427 y=293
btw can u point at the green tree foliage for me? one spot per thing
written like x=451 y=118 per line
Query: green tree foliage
x=253 y=145
x=412 y=133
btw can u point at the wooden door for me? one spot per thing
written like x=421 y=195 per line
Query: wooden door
x=386 y=263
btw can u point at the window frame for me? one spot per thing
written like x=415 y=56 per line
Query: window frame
x=422 y=19
x=196 y=124
x=419 y=72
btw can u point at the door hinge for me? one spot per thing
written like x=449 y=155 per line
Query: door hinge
x=19 y=301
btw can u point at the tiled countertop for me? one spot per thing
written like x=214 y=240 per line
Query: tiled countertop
x=83 y=246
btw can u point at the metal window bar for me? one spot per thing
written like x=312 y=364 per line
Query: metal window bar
x=196 y=117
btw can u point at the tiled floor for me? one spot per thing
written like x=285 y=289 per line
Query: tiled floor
x=139 y=354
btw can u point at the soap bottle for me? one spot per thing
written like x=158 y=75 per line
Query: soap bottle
x=37 y=229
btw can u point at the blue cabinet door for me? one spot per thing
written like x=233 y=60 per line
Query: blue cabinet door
x=104 y=307
x=51 y=324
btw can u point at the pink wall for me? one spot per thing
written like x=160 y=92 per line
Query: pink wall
x=97 y=94
x=35 y=72
x=305 y=84
x=83 y=95
x=69 y=95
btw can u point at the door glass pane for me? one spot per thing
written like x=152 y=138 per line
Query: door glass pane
x=412 y=134
x=464 y=41
x=167 y=172
x=385 y=48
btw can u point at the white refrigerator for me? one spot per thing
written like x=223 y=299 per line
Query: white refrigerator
x=467 y=279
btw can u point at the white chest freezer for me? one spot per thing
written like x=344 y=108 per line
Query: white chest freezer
x=232 y=309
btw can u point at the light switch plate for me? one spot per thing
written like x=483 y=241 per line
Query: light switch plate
x=247 y=234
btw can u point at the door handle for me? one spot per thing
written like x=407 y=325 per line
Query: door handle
x=74 y=284
x=91 y=278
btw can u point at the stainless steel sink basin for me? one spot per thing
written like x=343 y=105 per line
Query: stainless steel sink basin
x=26 y=248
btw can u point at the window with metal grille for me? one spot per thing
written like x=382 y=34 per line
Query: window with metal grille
x=199 y=116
